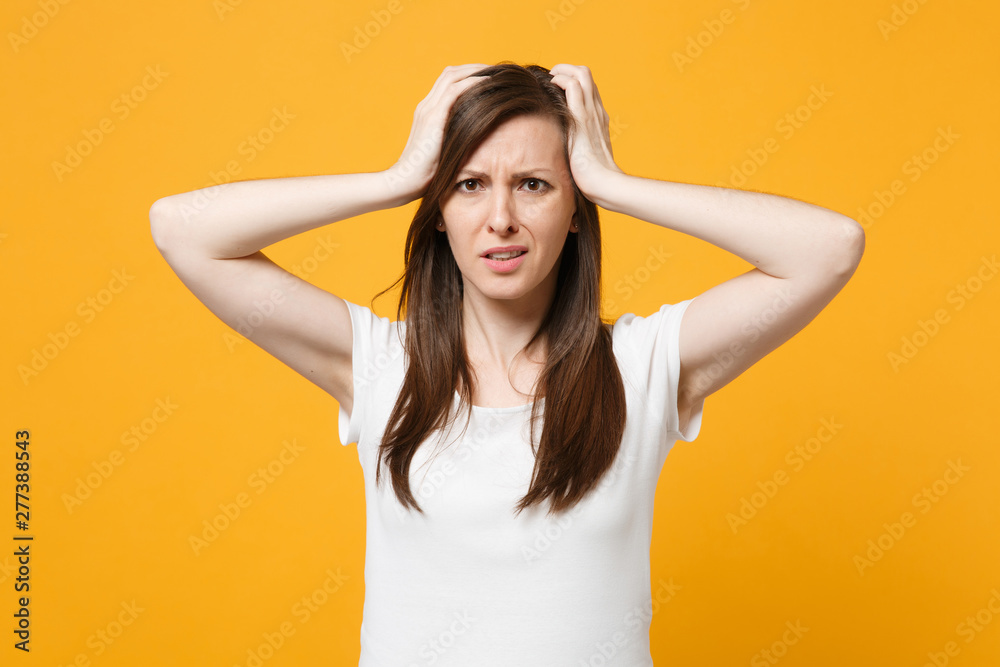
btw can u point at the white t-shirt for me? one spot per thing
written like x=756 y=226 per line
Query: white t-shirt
x=467 y=583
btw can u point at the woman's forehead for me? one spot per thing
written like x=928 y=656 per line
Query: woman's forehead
x=521 y=143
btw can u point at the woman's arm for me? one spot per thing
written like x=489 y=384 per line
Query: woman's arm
x=238 y=219
x=212 y=239
x=803 y=254
x=783 y=237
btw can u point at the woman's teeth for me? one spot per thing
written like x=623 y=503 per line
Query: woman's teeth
x=510 y=254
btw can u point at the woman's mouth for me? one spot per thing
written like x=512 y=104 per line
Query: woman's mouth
x=509 y=254
x=504 y=262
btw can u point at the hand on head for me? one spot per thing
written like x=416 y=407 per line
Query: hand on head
x=415 y=168
x=589 y=143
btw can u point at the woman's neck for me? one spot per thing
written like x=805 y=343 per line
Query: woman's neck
x=497 y=330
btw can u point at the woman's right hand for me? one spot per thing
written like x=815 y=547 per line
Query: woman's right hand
x=415 y=168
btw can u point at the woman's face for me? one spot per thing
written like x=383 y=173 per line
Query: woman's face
x=514 y=192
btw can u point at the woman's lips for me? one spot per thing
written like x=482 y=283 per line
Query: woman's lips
x=505 y=266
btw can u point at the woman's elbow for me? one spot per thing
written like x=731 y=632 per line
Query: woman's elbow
x=847 y=246
x=161 y=221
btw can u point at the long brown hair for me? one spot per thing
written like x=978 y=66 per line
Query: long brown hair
x=584 y=416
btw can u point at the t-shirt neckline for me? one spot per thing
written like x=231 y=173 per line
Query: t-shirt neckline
x=511 y=408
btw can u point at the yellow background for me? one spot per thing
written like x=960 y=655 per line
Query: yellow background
x=225 y=68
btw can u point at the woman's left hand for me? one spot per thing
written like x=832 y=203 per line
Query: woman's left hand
x=589 y=147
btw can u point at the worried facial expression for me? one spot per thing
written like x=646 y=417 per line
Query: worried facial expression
x=513 y=194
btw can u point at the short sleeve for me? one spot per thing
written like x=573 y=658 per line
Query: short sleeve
x=376 y=348
x=649 y=351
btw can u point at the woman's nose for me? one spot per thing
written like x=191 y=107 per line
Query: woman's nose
x=502 y=216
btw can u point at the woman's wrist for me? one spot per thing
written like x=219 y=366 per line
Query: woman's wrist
x=399 y=185
x=607 y=189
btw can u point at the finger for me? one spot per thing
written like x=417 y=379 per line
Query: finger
x=450 y=84
x=591 y=91
x=574 y=95
x=593 y=102
x=456 y=88
x=572 y=77
x=454 y=73
x=459 y=87
x=597 y=96
x=581 y=73
x=457 y=72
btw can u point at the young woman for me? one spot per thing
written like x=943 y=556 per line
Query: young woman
x=521 y=538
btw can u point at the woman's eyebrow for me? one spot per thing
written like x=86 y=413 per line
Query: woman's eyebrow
x=520 y=174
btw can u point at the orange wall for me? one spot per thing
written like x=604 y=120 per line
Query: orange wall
x=884 y=109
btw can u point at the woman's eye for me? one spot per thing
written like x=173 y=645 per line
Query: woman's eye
x=530 y=184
